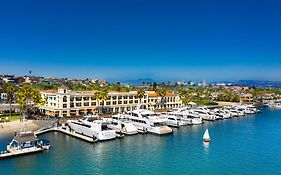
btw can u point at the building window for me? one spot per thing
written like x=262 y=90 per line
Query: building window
x=114 y=102
x=78 y=98
x=136 y=101
x=125 y=102
x=93 y=103
x=119 y=97
x=125 y=97
x=71 y=98
x=71 y=105
x=85 y=98
x=119 y=102
x=114 y=97
x=130 y=97
x=131 y=101
x=86 y=104
x=93 y=98
x=64 y=99
x=64 y=105
x=78 y=104
x=108 y=103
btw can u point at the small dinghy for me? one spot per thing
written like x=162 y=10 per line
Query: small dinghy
x=206 y=136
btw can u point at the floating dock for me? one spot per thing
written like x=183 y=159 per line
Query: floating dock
x=79 y=136
x=68 y=132
x=12 y=154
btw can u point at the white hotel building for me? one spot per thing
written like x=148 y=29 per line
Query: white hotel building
x=64 y=102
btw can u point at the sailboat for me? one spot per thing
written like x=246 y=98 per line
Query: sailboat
x=206 y=136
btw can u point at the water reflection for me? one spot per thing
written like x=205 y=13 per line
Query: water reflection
x=206 y=147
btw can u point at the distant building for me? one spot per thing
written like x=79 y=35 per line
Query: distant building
x=248 y=98
x=169 y=101
x=237 y=88
x=20 y=80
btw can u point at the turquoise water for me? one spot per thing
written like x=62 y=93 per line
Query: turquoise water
x=245 y=145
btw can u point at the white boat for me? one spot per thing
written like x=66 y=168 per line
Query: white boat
x=205 y=115
x=175 y=120
x=92 y=127
x=192 y=118
x=222 y=114
x=25 y=142
x=275 y=105
x=119 y=124
x=206 y=136
x=148 y=121
x=247 y=109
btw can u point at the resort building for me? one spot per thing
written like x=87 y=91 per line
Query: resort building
x=64 y=102
x=169 y=101
x=248 y=98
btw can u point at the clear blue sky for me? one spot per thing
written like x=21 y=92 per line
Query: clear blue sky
x=129 y=39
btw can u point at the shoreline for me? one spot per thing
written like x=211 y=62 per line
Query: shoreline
x=9 y=128
x=224 y=103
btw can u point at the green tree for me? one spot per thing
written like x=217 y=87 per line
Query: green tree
x=101 y=96
x=140 y=94
x=154 y=86
x=27 y=96
x=10 y=89
x=160 y=93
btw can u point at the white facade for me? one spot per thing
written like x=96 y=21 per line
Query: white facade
x=64 y=102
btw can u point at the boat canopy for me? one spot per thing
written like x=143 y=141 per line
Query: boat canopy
x=25 y=137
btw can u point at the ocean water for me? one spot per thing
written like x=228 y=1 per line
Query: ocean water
x=249 y=145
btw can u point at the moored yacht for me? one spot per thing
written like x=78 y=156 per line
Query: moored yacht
x=175 y=120
x=120 y=125
x=92 y=127
x=205 y=115
x=148 y=121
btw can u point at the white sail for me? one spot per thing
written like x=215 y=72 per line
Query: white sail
x=206 y=135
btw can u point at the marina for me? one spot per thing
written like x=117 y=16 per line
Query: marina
x=140 y=87
x=93 y=129
x=241 y=135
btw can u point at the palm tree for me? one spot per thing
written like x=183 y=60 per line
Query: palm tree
x=140 y=94
x=160 y=93
x=26 y=96
x=154 y=86
x=10 y=89
x=101 y=96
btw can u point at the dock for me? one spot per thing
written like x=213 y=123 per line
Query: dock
x=67 y=132
x=76 y=135
x=12 y=154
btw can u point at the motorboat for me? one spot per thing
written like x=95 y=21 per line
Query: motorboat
x=147 y=121
x=92 y=127
x=120 y=125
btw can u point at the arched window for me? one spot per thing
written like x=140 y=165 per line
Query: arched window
x=64 y=99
